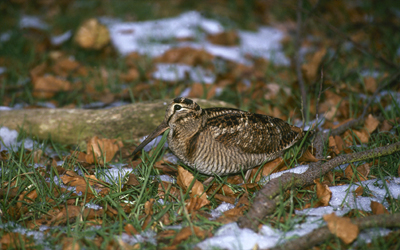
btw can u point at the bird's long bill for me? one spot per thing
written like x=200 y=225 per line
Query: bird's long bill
x=158 y=131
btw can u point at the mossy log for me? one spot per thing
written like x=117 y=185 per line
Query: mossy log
x=75 y=126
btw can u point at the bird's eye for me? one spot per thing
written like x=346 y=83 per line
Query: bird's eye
x=177 y=107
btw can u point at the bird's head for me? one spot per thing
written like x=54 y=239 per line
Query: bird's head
x=181 y=112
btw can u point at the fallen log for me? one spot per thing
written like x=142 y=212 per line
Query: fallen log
x=75 y=126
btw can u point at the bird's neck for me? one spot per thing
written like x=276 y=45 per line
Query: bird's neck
x=188 y=128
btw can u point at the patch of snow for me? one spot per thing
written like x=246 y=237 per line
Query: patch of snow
x=60 y=39
x=46 y=105
x=154 y=38
x=3 y=70
x=373 y=73
x=297 y=170
x=6 y=36
x=185 y=92
x=264 y=43
x=93 y=206
x=171 y=158
x=223 y=207
x=320 y=211
x=117 y=104
x=117 y=165
x=153 y=143
x=32 y=22
x=113 y=175
x=343 y=196
x=367 y=235
x=4 y=108
x=146 y=236
x=93 y=105
x=166 y=178
x=231 y=237
x=8 y=140
x=176 y=72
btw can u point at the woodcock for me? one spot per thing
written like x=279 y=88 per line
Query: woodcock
x=223 y=141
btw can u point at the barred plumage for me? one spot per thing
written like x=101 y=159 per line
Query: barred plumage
x=223 y=140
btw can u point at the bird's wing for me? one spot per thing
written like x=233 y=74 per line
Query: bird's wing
x=252 y=133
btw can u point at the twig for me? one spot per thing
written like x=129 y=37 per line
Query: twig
x=298 y=63
x=319 y=94
x=322 y=234
x=264 y=203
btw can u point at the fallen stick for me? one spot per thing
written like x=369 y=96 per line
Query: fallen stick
x=322 y=234
x=264 y=203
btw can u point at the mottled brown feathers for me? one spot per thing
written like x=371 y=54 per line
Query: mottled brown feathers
x=252 y=133
x=222 y=140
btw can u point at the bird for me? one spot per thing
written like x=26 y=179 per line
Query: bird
x=223 y=141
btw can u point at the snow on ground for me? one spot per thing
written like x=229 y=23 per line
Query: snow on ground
x=154 y=38
x=175 y=72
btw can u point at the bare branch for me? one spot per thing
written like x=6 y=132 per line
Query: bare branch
x=322 y=234
x=264 y=203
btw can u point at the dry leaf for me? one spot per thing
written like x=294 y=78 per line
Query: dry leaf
x=268 y=168
x=195 y=203
x=339 y=143
x=378 y=208
x=330 y=105
x=70 y=243
x=148 y=210
x=349 y=172
x=226 y=190
x=228 y=38
x=307 y=156
x=132 y=180
x=186 y=232
x=165 y=168
x=362 y=136
x=172 y=191
x=371 y=123
x=324 y=194
x=38 y=71
x=47 y=86
x=67 y=66
x=92 y=35
x=37 y=155
x=72 y=179
x=72 y=212
x=165 y=219
x=132 y=75
x=311 y=68
x=16 y=241
x=184 y=180
x=234 y=212
x=333 y=146
x=198 y=90
x=186 y=55
x=102 y=149
x=342 y=227
x=370 y=84
x=224 y=198
x=359 y=191
x=363 y=170
x=386 y=126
